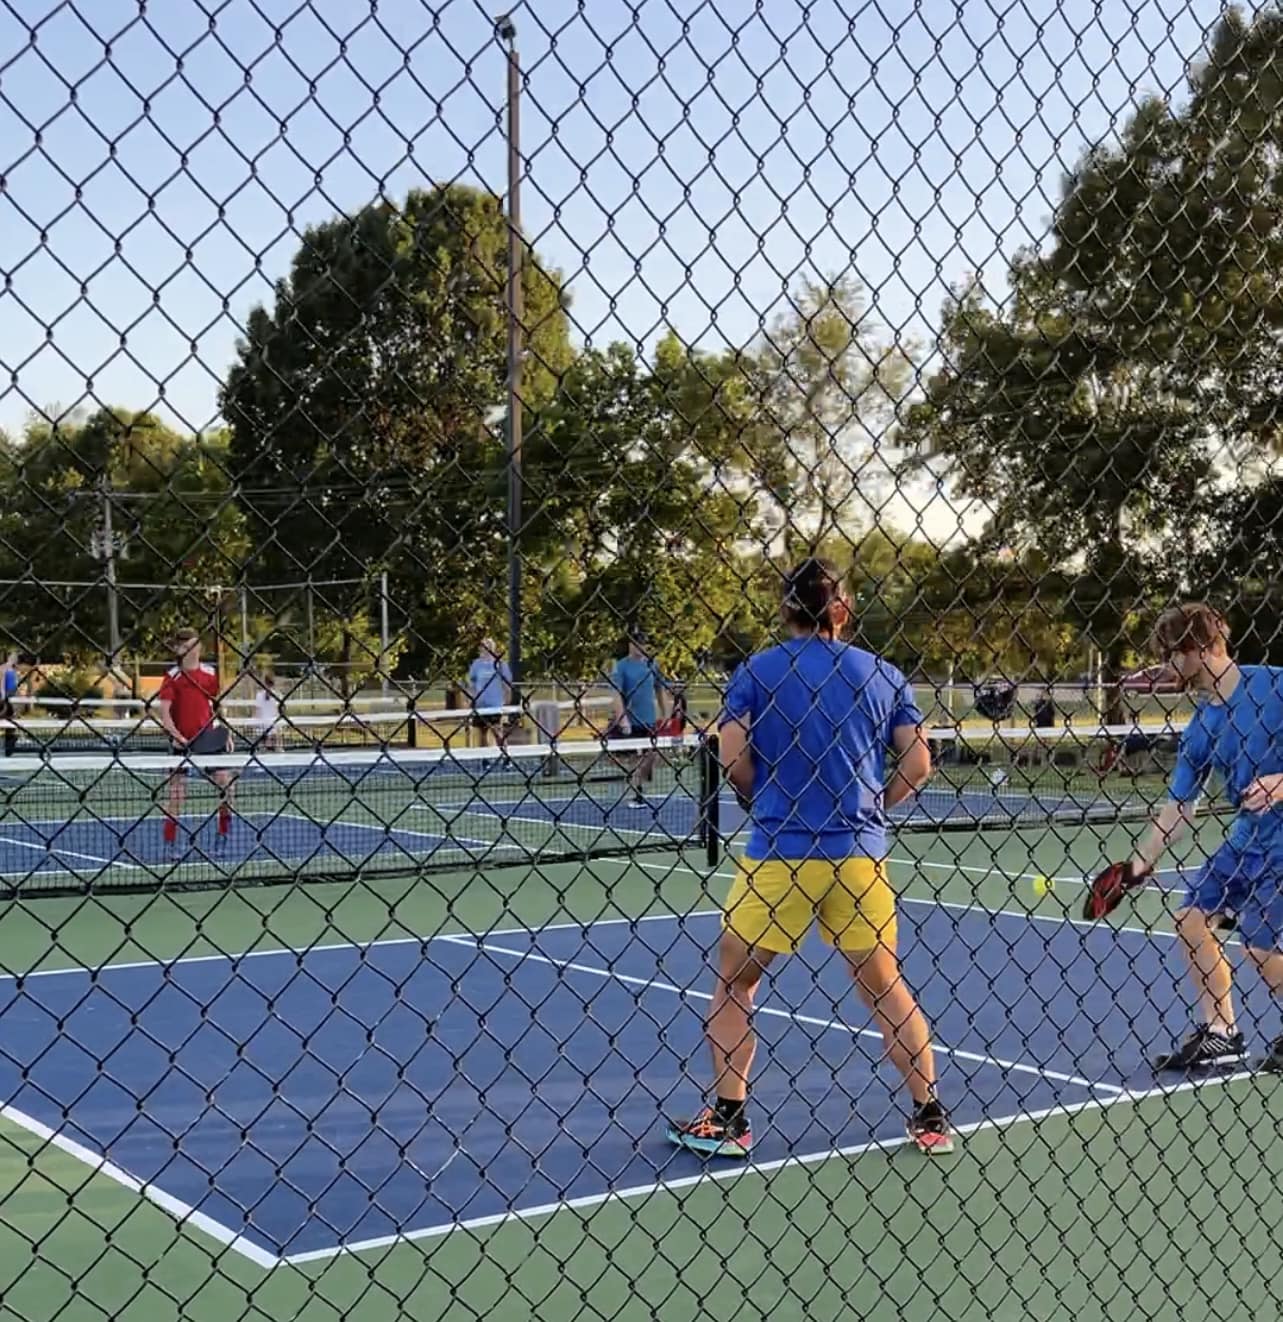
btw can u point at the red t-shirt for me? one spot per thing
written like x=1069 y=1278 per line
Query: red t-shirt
x=192 y=693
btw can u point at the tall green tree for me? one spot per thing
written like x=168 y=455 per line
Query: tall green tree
x=176 y=528
x=829 y=381
x=365 y=405
x=641 y=485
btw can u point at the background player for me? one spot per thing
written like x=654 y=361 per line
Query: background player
x=267 y=715
x=489 y=688
x=804 y=735
x=1236 y=731
x=639 y=707
x=186 y=704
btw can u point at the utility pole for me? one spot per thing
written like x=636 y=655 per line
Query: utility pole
x=108 y=542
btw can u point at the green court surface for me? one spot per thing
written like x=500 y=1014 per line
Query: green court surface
x=1112 y=1208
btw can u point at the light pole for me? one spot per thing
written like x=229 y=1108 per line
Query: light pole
x=506 y=32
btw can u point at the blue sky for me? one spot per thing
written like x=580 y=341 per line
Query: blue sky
x=686 y=162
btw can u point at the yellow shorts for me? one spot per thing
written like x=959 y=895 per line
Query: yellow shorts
x=772 y=903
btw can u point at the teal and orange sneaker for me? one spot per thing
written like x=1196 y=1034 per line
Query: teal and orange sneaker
x=712 y=1136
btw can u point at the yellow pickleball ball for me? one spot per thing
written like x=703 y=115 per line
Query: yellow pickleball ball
x=1042 y=885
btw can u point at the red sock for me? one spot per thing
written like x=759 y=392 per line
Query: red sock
x=171 y=831
x=224 y=818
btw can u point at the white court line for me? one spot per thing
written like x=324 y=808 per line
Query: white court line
x=298 y=952
x=49 y=848
x=657 y=984
x=182 y=1212
x=381 y=828
x=579 y=925
x=553 y=823
x=224 y=1235
x=739 y=1171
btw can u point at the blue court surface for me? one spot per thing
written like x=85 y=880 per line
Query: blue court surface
x=366 y=828
x=302 y=837
x=343 y=1096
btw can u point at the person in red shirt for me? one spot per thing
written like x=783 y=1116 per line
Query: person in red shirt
x=186 y=700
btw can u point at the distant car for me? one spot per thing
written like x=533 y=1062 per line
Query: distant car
x=1153 y=679
x=995 y=698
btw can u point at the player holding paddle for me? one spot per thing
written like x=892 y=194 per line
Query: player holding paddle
x=1237 y=732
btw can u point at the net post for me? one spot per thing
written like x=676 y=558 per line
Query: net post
x=710 y=816
x=412 y=722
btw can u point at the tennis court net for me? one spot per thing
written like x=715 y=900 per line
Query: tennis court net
x=1017 y=777
x=69 y=822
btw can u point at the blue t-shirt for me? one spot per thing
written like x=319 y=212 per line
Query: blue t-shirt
x=820 y=716
x=1238 y=739
x=11 y=679
x=486 y=680
x=635 y=679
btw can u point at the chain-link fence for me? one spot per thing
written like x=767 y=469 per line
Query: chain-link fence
x=441 y=456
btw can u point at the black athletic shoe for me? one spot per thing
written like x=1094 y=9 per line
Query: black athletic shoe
x=930 y=1131
x=1203 y=1050
x=1273 y=1063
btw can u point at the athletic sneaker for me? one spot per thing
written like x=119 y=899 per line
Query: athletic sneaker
x=711 y=1136
x=1203 y=1049
x=638 y=802
x=930 y=1130
x=1273 y=1063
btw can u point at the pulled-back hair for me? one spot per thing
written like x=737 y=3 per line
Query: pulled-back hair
x=1190 y=627
x=811 y=591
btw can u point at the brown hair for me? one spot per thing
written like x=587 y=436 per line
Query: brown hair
x=1191 y=626
x=183 y=636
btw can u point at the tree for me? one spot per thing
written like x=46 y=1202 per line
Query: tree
x=1109 y=411
x=365 y=406
x=638 y=479
x=175 y=525
x=829 y=384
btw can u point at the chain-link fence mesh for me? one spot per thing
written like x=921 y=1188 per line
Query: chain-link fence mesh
x=441 y=455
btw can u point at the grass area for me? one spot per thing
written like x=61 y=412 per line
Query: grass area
x=1159 y=1208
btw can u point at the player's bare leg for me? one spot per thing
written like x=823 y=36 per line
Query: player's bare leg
x=225 y=783
x=1269 y=964
x=175 y=798
x=1215 y=1042
x=729 y=1026
x=903 y=1026
x=722 y=1129
x=1209 y=969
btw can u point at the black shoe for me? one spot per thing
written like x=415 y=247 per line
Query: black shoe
x=930 y=1131
x=1202 y=1050
x=1273 y=1063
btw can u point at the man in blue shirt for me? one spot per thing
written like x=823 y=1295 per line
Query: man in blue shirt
x=804 y=739
x=1236 y=732
x=489 y=687
x=639 y=705
x=9 y=691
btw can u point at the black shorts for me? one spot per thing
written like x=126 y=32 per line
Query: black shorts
x=487 y=720
x=640 y=731
x=212 y=739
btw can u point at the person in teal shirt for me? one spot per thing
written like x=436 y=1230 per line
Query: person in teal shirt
x=639 y=706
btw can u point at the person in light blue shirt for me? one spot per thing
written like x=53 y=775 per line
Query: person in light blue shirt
x=489 y=689
x=640 y=694
x=1236 y=734
x=9 y=691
